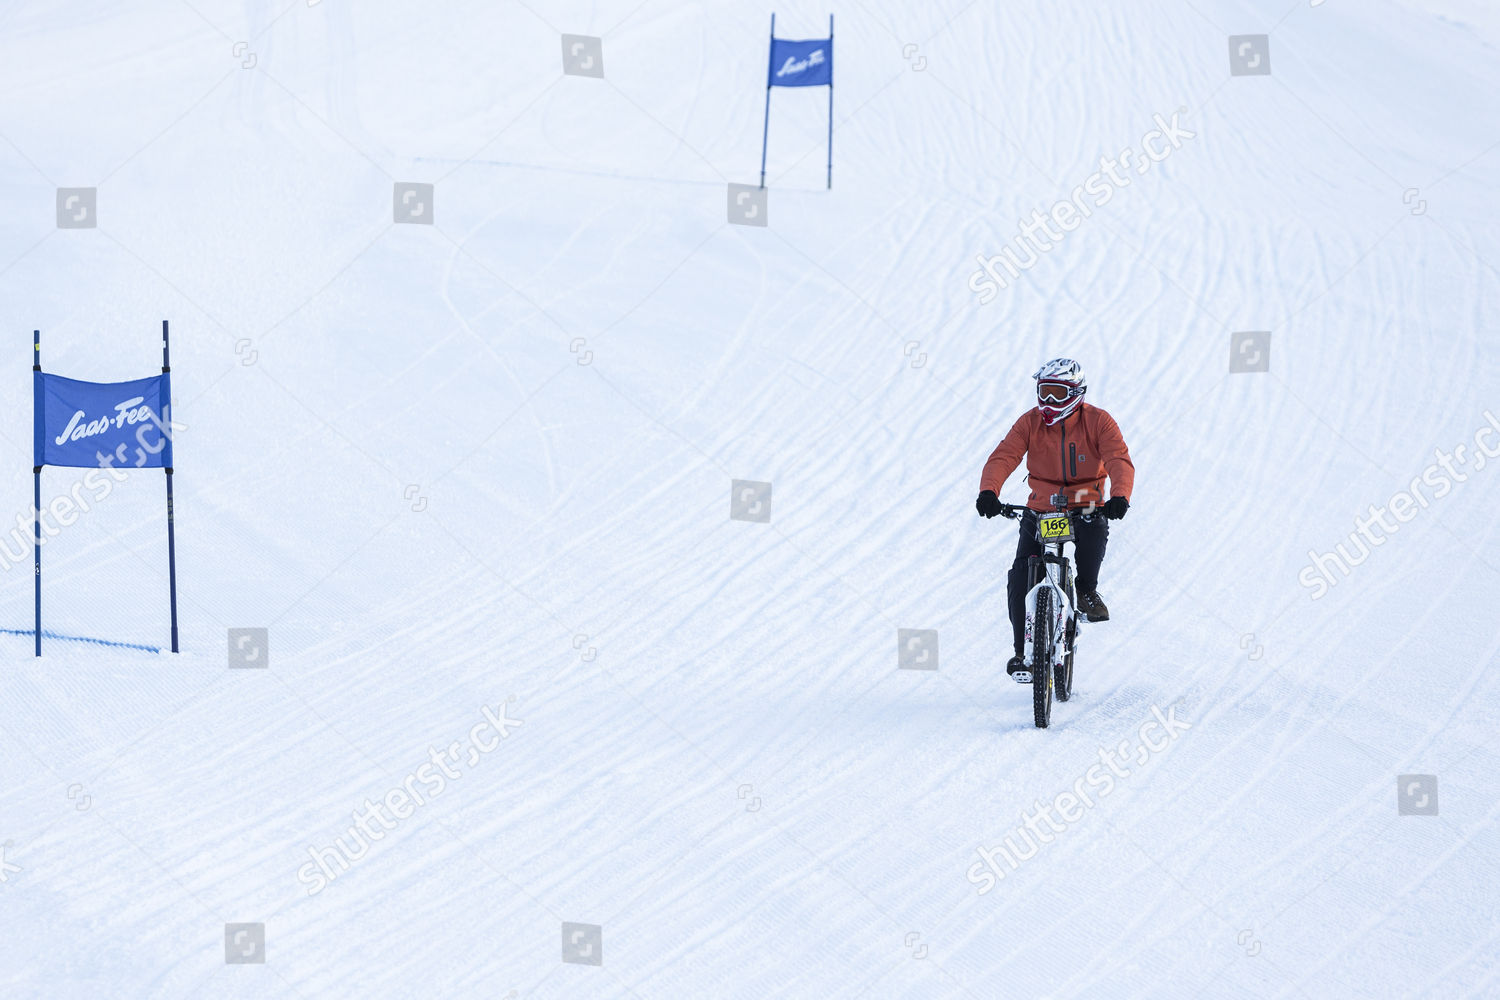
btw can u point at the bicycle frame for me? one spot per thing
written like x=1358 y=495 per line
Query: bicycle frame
x=1049 y=571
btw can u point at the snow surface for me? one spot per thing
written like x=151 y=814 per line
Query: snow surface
x=395 y=460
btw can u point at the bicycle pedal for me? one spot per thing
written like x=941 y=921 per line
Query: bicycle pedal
x=1021 y=676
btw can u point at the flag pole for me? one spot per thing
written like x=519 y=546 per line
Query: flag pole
x=36 y=506
x=765 y=133
x=830 y=104
x=166 y=369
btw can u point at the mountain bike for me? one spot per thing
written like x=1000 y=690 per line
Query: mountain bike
x=1051 y=611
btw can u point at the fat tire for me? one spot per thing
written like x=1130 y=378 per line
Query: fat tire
x=1063 y=680
x=1041 y=656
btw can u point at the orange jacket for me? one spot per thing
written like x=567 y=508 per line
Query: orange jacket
x=1071 y=457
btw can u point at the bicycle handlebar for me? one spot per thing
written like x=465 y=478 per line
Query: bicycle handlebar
x=1013 y=511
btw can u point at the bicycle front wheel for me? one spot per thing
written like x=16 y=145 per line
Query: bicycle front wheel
x=1041 y=655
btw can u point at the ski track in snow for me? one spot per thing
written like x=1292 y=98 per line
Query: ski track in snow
x=719 y=762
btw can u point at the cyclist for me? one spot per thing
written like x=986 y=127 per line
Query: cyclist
x=1069 y=447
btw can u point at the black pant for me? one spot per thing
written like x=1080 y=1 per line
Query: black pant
x=1089 y=540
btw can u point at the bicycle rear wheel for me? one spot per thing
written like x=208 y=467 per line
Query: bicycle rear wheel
x=1063 y=679
x=1041 y=656
x=1064 y=675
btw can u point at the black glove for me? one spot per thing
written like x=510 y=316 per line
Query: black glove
x=1115 y=508
x=988 y=504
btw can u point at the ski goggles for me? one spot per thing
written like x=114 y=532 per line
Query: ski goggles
x=1055 y=392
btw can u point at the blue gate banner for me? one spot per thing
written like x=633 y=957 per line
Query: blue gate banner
x=801 y=64
x=93 y=424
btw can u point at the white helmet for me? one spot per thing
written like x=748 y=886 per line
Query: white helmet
x=1060 y=387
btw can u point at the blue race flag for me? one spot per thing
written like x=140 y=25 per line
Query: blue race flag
x=102 y=425
x=124 y=425
x=801 y=64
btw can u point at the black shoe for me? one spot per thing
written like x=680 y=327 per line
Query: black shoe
x=1091 y=606
x=1016 y=667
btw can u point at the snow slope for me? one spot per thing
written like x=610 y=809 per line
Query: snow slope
x=486 y=464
